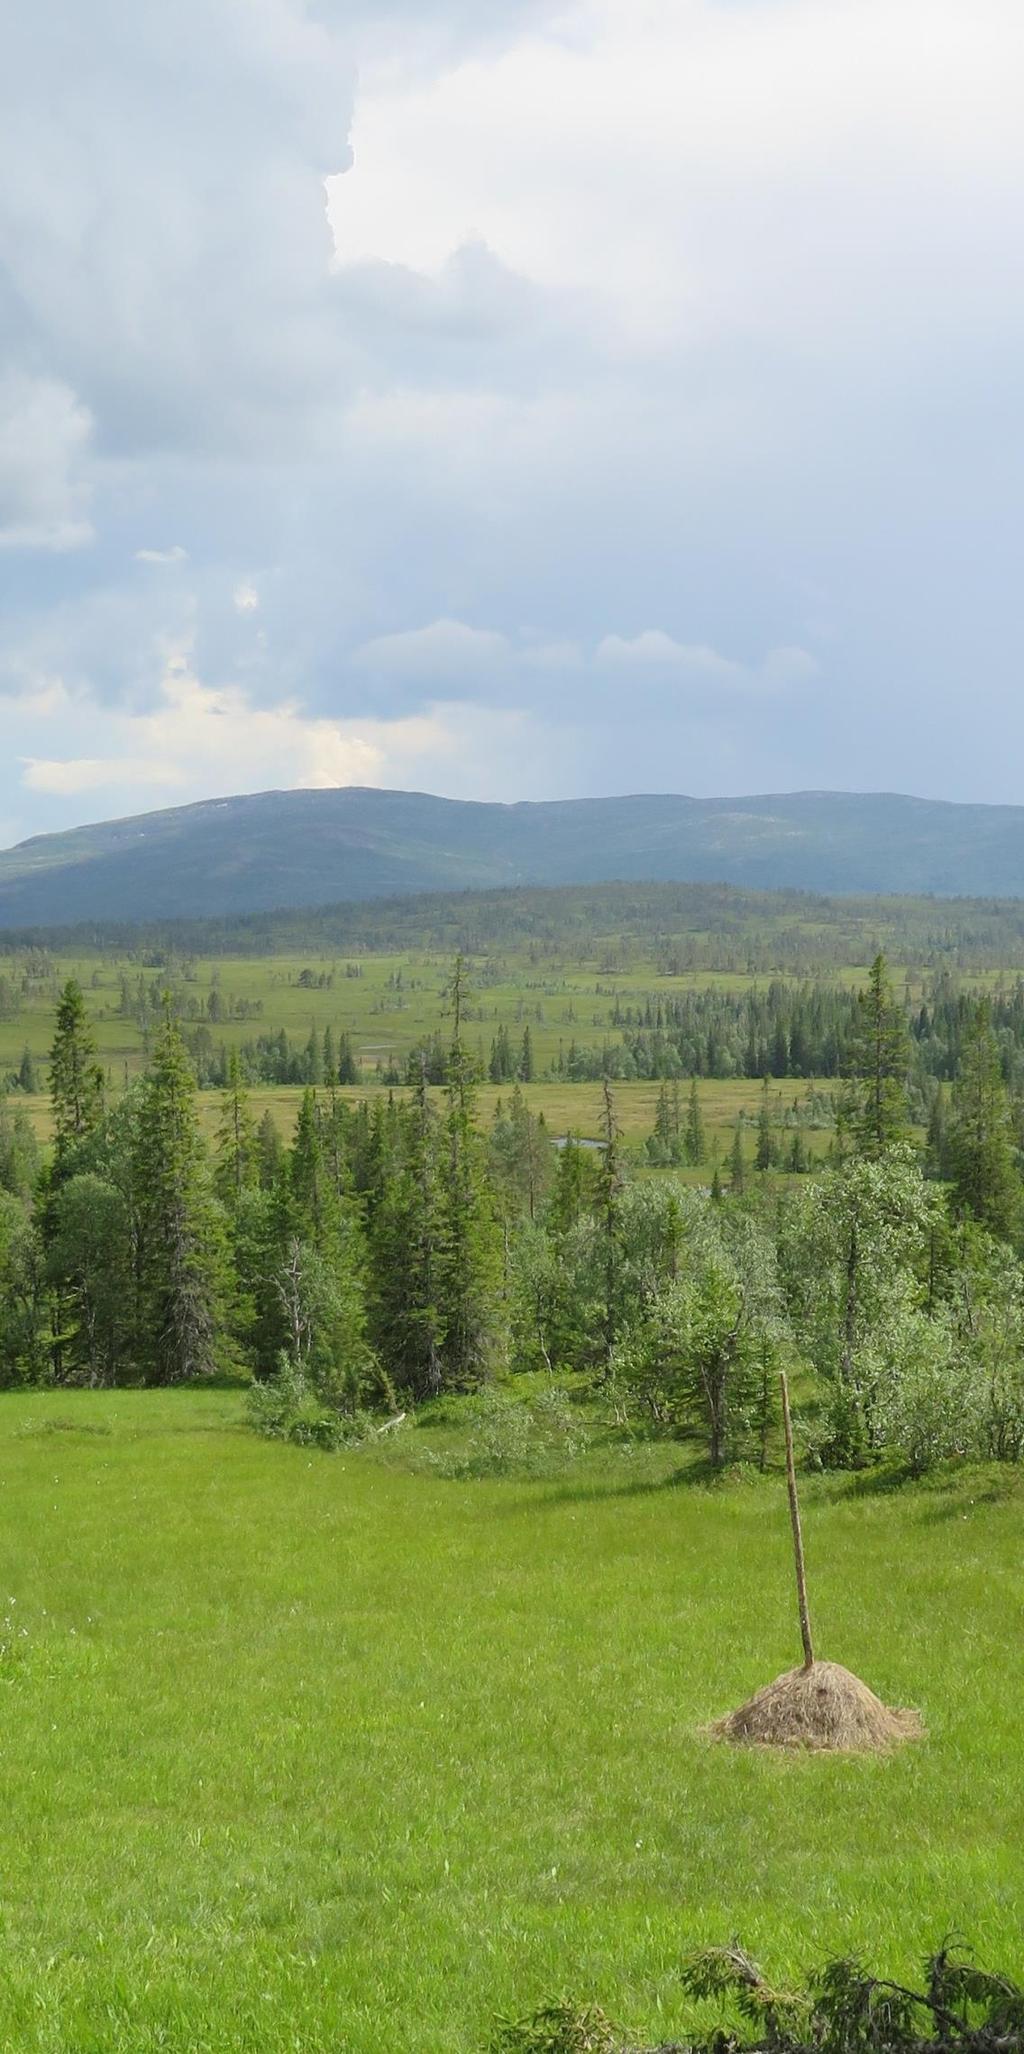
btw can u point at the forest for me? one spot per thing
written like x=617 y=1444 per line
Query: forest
x=396 y=1248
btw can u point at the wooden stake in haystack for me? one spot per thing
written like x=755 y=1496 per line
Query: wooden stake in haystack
x=821 y=1704
x=798 y=1539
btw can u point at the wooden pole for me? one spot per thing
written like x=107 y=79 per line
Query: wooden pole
x=798 y=1542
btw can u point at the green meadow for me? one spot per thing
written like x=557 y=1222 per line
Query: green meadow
x=394 y=1003
x=341 y=1753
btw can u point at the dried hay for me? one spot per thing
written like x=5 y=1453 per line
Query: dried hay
x=823 y=1706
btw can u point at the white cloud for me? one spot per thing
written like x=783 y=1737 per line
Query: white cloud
x=706 y=169
x=69 y=776
x=201 y=741
x=176 y=554
x=246 y=597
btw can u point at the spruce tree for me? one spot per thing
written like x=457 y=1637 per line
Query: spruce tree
x=696 y=1147
x=879 y=1056
x=470 y=1252
x=981 y=1153
x=936 y=1152
x=609 y=1213
x=330 y=1060
x=526 y=1070
x=76 y=1078
x=184 y=1275
x=573 y=1186
x=314 y=1198
x=237 y=1154
x=406 y=1237
x=737 y=1163
x=766 y=1152
x=348 y=1068
x=269 y=1151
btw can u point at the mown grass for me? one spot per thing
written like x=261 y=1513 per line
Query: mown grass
x=329 y=1753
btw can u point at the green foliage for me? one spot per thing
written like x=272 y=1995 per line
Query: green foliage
x=702 y=1357
x=21 y=1356
x=556 y=2029
x=20 y=1155
x=854 y=1254
x=76 y=1079
x=88 y=1259
x=509 y=1434
x=847 y=2010
x=183 y=1264
x=979 y=1143
x=879 y=1060
x=288 y=1407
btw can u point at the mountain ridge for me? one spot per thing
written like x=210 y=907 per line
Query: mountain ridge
x=272 y=850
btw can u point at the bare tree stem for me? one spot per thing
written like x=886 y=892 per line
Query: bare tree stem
x=798 y=1540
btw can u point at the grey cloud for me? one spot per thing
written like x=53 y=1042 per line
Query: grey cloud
x=44 y=438
x=461 y=484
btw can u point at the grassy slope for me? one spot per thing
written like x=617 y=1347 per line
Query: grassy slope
x=317 y=1754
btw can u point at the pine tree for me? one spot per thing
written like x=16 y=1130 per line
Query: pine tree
x=982 y=1157
x=27 y=1079
x=879 y=1055
x=184 y=1278
x=76 y=1078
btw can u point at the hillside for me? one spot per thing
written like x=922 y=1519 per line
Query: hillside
x=312 y=848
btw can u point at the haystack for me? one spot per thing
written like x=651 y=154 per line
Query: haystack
x=820 y=1705
x=824 y=1706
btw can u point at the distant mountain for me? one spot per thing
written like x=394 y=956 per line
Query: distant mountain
x=280 y=849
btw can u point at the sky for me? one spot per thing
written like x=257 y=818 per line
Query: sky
x=509 y=399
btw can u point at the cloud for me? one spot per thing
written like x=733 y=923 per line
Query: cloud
x=45 y=434
x=71 y=775
x=627 y=375
x=176 y=554
x=654 y=652
x=246 y=598
x=199 y=740
x=446 y=652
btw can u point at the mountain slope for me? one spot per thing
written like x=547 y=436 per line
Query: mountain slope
x=310 y=848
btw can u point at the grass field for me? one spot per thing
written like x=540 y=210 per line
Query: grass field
x=564 y=1106
x=331 y=1754
x=395 y=1002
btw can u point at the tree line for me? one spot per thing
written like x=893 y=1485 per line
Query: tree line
x=392 y=1252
